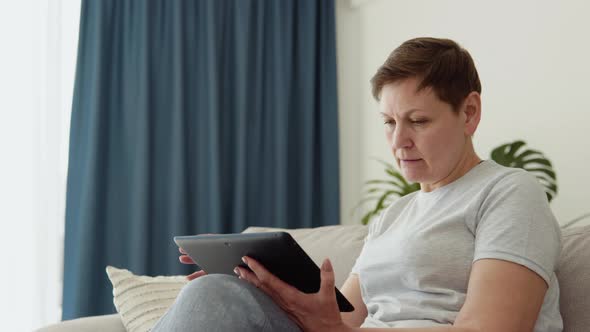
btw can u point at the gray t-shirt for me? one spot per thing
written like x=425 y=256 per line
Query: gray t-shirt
x=415 y=264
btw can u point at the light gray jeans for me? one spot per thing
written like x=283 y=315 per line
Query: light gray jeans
x=224 y=303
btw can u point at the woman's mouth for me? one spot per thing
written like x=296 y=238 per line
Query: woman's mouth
x=409 y=162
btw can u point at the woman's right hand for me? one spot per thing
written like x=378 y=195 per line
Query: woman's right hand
x=185 y=259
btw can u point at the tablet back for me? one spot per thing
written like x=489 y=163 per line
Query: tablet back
x=277 y=251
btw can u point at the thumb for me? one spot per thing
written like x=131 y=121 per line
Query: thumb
x=327 y=284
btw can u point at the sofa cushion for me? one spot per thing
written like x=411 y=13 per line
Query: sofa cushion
x=142 y=300
x=342 y=244
x=573 y=274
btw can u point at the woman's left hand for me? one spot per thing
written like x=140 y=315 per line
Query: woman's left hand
x=311 y=312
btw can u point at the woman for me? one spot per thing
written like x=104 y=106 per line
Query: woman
x=474 y=250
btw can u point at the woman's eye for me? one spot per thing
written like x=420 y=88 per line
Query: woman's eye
x=389 y=123
x=419 y=122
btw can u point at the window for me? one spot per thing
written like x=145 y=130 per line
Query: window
x=37 y=62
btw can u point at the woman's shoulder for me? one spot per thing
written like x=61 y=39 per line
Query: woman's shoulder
x=502 y=178
x=492 y=177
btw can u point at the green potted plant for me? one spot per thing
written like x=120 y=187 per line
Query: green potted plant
x=380 y=193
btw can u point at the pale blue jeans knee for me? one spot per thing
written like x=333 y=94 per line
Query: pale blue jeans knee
x=224 y=303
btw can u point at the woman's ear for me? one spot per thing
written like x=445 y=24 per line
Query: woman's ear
x=472 y=110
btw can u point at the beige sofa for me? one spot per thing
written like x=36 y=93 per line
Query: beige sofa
x=343 y=244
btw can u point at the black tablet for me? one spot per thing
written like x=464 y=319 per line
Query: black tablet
x=277 y=251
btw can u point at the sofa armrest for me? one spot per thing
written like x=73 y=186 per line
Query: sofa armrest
x=105 y=323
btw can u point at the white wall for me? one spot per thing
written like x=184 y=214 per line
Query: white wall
x=533 y=60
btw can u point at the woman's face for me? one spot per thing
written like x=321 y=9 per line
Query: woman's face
x=430 y=142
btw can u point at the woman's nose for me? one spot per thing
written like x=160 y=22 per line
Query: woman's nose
x=401 y=139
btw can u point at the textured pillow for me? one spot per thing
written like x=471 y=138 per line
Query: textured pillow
x=341 y=243
x=573 y=275
x=142 y=300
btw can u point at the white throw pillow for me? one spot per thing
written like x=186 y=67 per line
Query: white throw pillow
x=142 y=300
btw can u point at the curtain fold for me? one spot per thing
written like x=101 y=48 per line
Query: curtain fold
x=194 y=117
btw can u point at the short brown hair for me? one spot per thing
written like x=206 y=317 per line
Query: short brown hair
x=442 y=65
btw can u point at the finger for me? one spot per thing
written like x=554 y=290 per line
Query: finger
x=267 y=279
x=184 y=259
x=250 y=277
x=327 y=290
x=195 y=275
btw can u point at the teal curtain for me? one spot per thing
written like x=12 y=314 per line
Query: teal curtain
x=194 y=117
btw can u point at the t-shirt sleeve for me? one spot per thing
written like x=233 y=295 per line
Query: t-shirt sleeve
x=515 y=224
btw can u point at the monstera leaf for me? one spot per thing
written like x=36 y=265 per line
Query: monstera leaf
x=383 y=191
x=516 y=155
